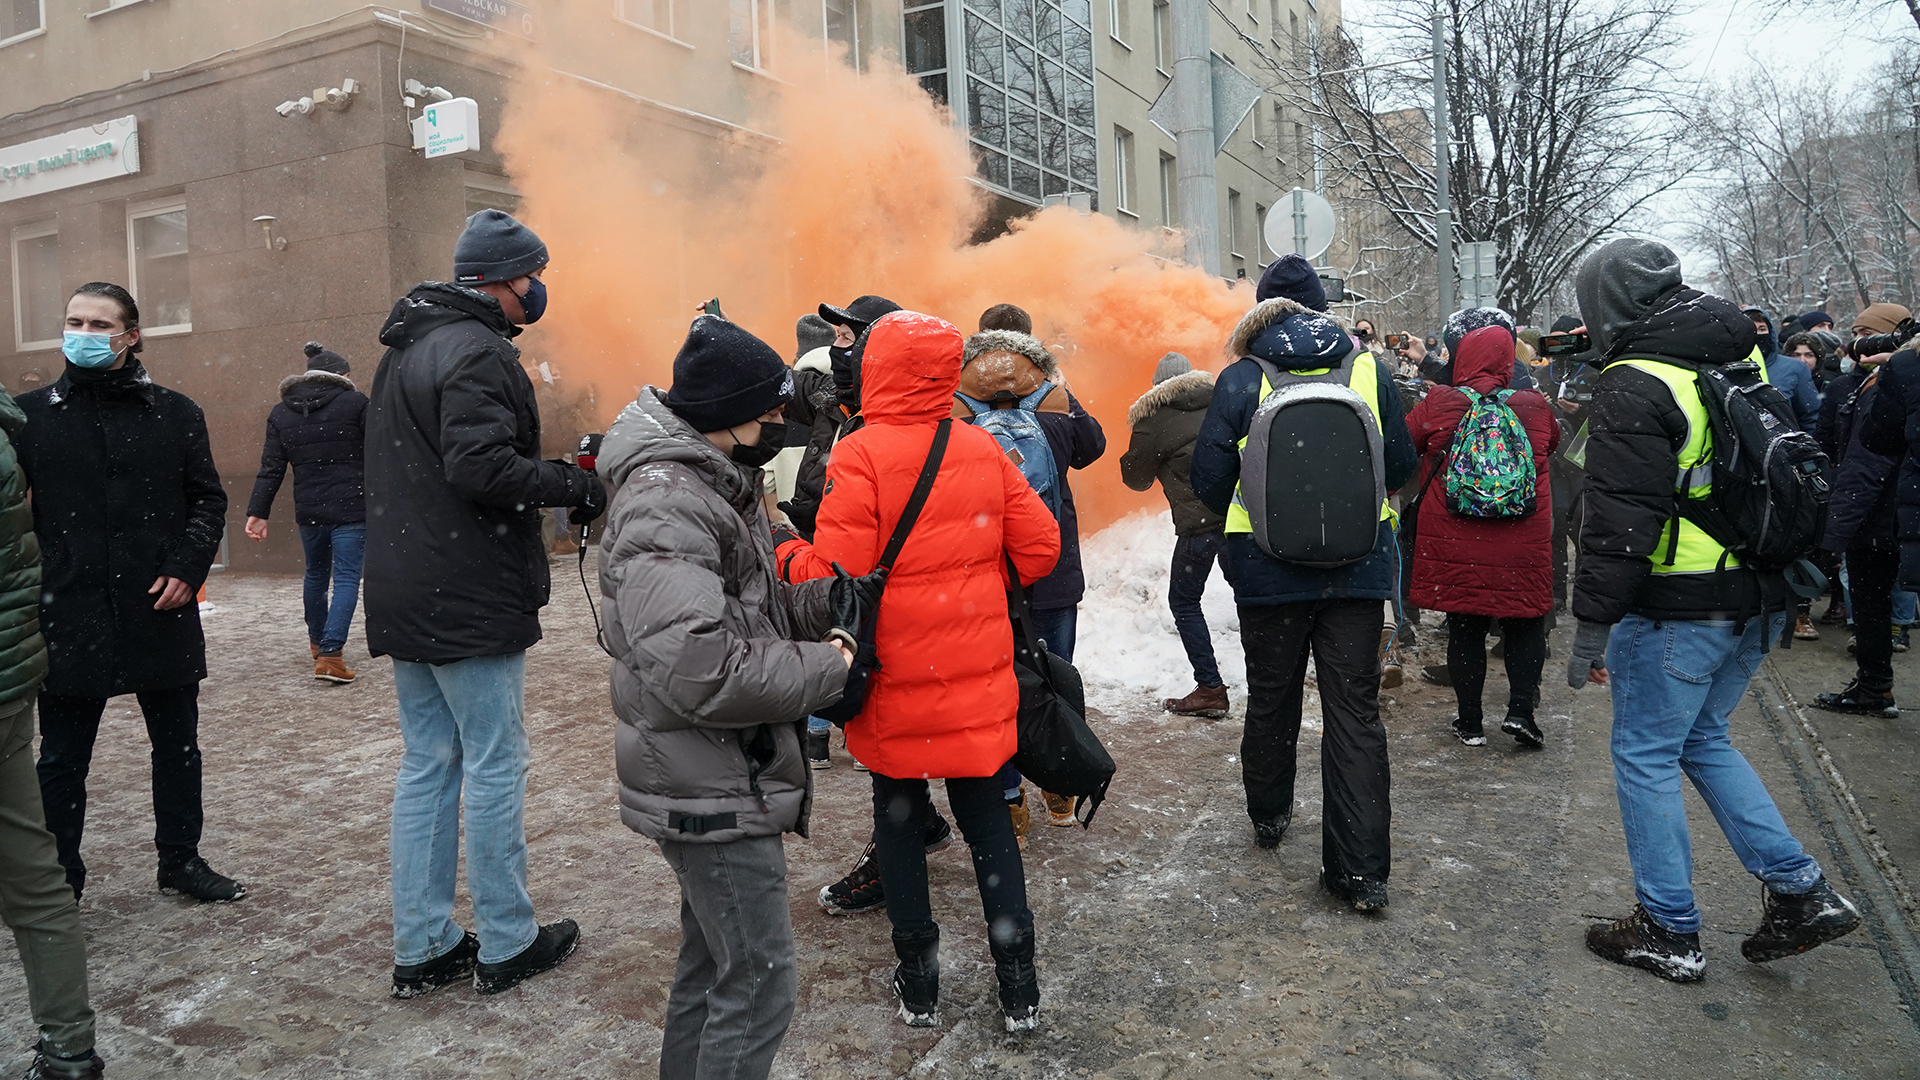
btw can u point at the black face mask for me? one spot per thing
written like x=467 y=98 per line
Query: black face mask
x=773 y=439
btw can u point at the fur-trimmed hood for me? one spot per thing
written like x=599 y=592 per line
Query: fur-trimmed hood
x=1190 y=392
x=311 y=390
x=1280 y=329
x=999 y=363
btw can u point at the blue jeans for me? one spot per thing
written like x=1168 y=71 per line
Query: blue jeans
x=333 y=551
x=461 y=723
x=1193 y=559
x=1674 y=685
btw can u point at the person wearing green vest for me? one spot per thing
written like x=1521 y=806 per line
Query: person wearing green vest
x=1290 y=611
x=1673 y=624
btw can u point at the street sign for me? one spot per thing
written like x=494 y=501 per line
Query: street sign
x=448 y=127
x=1301 y=225
x=1479 y=274
x=499 y=14
x=101 y=151
x=1234 y=96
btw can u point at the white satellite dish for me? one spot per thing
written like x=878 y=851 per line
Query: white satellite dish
x=1302 y=224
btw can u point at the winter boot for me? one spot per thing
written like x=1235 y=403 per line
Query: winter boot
x=1836 y=613
x=1803 y=629
x=195 y=878
x=938 y=835
x=1436 y=674
x=1017 y=810
x=1207 y=701
x=313 y=647
x=1795 y=922
x=859 y=891
x=1853 y=699
x=1638 y=941
x=1365 y=894
x=457 y=963
x=48 y=1066
x=916 y=979
x=1392 y=674
x=817 y=757
x=1468 y=731
x=1524 y=731
x=1019 y=983
x=328 y=667
x=1267 y=833
x=1059 y=810
x=553 y=944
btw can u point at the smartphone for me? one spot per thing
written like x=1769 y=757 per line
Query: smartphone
x=1565 y=344
x=1395 y=341
x=713 y=306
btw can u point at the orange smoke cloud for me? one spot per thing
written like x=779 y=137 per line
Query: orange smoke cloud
x=865 y=190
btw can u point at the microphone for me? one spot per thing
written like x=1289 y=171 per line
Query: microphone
x=586 y=456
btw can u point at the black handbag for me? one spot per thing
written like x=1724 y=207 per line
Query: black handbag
x=866 y=657
x=1058 y=751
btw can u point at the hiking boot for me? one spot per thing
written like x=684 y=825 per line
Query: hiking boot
x=1803 y=628
x=330 y=668
x=48 y=1066
x=1365 y=894
x=1017 y=810
x=457 y=963
x=1901 y=640
x=1391 y=672
x=554 y=943
x=1638 y=941
x=1019 y=983
x=313 y=649
x=916 y=979
x=1207 y=701
x=817 y=750
x=1524 y=731
x=1853 y=699
x=1468 y=732
x=1792 y=923
x=1059 y=810
x=859 y=891
x=195 y=878
x=1267 y=833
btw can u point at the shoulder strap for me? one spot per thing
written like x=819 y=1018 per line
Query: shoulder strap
x=1026 y=639
x=1032 y=401
x=974 y=405
x=918 y=500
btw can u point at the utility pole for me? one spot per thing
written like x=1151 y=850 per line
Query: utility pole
x=1442 y=208
x=1193 y=132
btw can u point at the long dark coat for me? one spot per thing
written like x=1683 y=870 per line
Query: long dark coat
x=124 y=491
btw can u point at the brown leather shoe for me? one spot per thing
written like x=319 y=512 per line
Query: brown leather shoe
x=1017 y=809
x=313 y=648
x=332 y=669
x=1207 y=701
x=1059 y=810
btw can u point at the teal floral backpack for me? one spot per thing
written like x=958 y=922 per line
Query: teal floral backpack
x=1489 y=469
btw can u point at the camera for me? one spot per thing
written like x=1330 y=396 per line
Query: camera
x=1874 y=344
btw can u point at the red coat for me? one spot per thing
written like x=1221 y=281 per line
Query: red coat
x=1482 y=566
x=944 y=700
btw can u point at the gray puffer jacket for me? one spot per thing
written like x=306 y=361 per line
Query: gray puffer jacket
x=716 y=663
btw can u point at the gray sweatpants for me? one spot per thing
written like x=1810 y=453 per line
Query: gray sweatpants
x=36 y=901
x=734 y=988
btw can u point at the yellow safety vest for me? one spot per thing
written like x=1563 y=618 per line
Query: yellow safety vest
x=1365 y=381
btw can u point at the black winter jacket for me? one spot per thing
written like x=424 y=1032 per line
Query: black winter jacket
x=1077 y=441
x=124 y=491
x=1892 y=428
x=1840 y=395
x=23 y=651
x=455 y=567
x=320 y=428
x=816 y=407
x=1866 y=485
x=1636 y=433
x=1166 y=421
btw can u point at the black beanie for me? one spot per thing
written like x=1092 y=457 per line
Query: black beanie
x=1294 y=278
x=495 y=247
x=321 y=358
x=724 y=377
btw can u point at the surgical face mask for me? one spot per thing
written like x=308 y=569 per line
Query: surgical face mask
x=1846 y=364
x=533 y=302
x=86 y=349
x=773 y=439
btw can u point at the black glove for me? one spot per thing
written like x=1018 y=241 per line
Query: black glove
x=783 y=533
x=595 y=503
x=853 y=599
x=1589 y=651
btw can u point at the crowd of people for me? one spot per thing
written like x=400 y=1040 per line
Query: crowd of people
x=865 y=522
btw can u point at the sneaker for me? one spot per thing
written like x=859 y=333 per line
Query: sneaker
x=554 y=943
x=1267 y=833
x=1803 y=628
x=817 y=750
x=1205 y=701
x=330 y=668
x=1638 y=941
x=1524 y=731
x=1059 y=810
x=1901 y=641
x=457 y=963
x=1792 y=923
x=48 y=1066
x=1365 y=894
x=1019 y=983
x=196 y=879
x=916 y=979
x=857 y=767
x=1469 y=733
x=1853 y=699
x=860 y=891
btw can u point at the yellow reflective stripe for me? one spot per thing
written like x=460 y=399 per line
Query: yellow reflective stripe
x=1761 y=360
x=1694 y=552
x=1238 y=520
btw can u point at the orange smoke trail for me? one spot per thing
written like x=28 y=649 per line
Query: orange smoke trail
x=865 y=191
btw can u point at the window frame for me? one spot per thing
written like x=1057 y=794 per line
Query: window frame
x=1118 y=24
x=34 y=230
x=763 y=14
x=1125 y=181
x=1169 y=191
x=1162 y=35
x=669 y=34
x=853 y=23
x=136 y=211
x=26 y=35
x=1233 y=225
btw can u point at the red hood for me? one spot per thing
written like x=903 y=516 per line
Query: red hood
x=1484 y=362
x=910 y=370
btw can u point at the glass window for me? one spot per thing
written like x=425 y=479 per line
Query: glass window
x=1233 y=224
x=1082 y=158
x=840 y=22
x=1026 y=180
x=1123 y=168
x=1020 y=76
x=18 y=17
x=935 y=86
x=750 y=33
x=486 y=191
x=989 y=8
x=926 y=40
x=992 y=165
x=1023 y=129
x=1046 y=32
x=1053 y=143
x=1020 y=18
x=1169 y=196
x=1162 y=34
x=1080 y=102
x=157 y=258
x=1053 y=87
x=1081 y=11
x=987 y=113
x=1117 y=20
x=985 y=51
x=38 y=310
x=655 y=15
x=1079 y=49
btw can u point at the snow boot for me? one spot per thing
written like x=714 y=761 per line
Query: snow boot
x=551 y=945
x=1019 y=983
x=1059 y=810
x=1365 y=894
x=1524 y=731
x=1638 y=941
x=1468 y=731
x=916 y=979
x=1205 y=701
x=193 y=877
x=49 y=1066
x=817 y=756
x=1017 y=810
x=1267 y=833
x=1792 y=923
x=1853 y=699
x=457 y=963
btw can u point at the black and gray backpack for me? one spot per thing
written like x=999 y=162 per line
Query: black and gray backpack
x=1313 y=471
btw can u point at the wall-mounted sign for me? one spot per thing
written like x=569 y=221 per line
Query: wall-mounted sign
x=448 y=127
x=105 y=150
x=499 y=14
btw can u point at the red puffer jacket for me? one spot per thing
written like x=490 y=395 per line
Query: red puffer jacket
x=944 y=700
x=1482 y=566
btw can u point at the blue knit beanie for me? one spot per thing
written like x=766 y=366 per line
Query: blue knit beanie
x=1294 y=278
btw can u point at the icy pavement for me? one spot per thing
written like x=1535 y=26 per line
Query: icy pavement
x=1169 y=947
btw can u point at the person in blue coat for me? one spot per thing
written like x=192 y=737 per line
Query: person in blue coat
x=1790 y=375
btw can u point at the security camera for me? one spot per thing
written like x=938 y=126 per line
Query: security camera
x=301 y=105
x=420 y=89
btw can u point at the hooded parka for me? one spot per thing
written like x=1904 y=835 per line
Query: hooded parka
x=23 y=652
x=1166 y=421
x=714 y=660
x=1502 y=567
x=944 y=700
x=1892 y=429
x=320 y=428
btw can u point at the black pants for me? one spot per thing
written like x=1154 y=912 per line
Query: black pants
x=1343 y=637
x=900 y=809
x=68 y=727
x=1567 y=485
x=1871 y=572
x=1526 y=655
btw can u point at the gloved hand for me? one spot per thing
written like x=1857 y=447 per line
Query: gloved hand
x=1589 y=651
x=595 y=503
x=783 y=533
x=851 y=599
